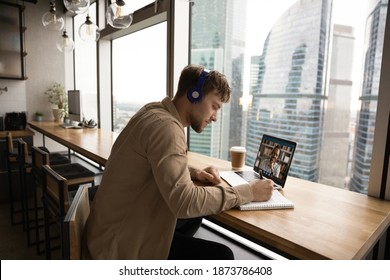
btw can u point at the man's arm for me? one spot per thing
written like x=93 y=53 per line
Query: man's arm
x=208 y=175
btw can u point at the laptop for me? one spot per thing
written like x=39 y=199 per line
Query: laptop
x=273 y=161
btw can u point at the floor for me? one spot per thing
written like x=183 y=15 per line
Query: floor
x=14 y=245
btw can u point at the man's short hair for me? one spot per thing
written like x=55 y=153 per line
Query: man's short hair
x=214 y=81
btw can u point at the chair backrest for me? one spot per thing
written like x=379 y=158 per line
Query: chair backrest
x=74 y=223
x=22 y=151
x=10 y=153
x=55 y=191
x=10 y=143
x=39 y=158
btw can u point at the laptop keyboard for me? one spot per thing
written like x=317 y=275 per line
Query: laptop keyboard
x=251 y=175
x=248 y=175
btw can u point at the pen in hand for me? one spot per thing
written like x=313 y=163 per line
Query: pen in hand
x=261 y=174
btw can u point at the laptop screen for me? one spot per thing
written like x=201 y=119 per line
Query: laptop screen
x=274 y=158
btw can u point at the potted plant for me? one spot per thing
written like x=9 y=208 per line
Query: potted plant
x=57 y=96
x=39 y=116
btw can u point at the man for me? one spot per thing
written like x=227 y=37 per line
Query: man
x=270 y=166
x=147 y=183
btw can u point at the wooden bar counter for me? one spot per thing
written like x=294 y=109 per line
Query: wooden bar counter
x=326 y=223
x=93 y=143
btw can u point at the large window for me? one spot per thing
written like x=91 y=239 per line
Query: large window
x=86 y=68
x=307 y=71
x=139 y=71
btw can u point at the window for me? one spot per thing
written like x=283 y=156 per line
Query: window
x=139 y=71
x=86 y=68
x=295 y=71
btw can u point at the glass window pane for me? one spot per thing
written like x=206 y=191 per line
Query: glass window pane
x=86 y=68
x=306 y=71
x=139 y=71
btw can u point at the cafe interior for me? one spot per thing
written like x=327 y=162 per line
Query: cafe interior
x=45 y=54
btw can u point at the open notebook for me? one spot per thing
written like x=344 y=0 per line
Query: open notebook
x=277 y=201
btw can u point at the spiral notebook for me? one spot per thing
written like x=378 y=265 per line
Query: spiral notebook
x=277 y=201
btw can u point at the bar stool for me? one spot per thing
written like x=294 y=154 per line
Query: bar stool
x=74 y=173
x=56 y=201
x=13 y=156
x=25 y=186
x=12 y=166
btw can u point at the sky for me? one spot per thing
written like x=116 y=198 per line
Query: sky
x=262 y=14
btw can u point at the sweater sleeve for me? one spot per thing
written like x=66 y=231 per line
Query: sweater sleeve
x=167 y=154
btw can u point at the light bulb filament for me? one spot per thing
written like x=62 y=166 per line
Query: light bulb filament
x=89 y=29
x=118 y=13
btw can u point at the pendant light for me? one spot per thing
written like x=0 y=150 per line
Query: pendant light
x=88 y=31
x=65 y=43
x=77 y=6
x=119 y=15
x=51 y=20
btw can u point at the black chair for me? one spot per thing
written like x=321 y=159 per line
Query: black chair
x=56 y=202
x=12 y=167
x=74 y=173
x=25 y=176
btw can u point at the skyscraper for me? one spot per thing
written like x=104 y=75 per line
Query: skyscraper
x=373 y=49
x=288 y=100
x=218 y=43
x=336 y=136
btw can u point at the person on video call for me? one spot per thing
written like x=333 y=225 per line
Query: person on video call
x=270 y=165
x=147 y=184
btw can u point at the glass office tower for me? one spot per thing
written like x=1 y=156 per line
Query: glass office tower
x=337 y=137
x=288 y=98
x=374 y=37
x=218 y=43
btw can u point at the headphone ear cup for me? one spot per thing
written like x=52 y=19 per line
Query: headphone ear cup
x=195 y=94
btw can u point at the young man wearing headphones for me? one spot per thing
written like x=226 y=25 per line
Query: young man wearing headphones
x=147 y=184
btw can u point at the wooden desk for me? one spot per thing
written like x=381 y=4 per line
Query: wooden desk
x=326 y=223
x=93 y=143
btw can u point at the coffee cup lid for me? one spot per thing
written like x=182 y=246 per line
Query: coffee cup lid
x=238 y=149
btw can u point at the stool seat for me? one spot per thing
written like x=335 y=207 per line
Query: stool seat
x=55 y=158
x=72 y=171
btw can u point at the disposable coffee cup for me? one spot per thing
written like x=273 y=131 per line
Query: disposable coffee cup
x=237 y=154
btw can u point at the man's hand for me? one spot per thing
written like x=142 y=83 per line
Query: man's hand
x=208 y=175
x=262 y=189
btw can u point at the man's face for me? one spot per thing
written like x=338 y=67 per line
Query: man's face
x=205 y=112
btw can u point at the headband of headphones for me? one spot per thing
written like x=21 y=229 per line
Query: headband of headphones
x=195 y=94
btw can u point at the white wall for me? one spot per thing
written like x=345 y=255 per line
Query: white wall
x=44 y=65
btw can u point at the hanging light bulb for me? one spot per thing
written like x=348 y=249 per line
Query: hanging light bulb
x=64 y=43
x=52 y=21
x=77 y=6
x=88 y=31
x=119 y=15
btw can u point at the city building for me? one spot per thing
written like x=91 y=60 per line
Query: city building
x=374 y=38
